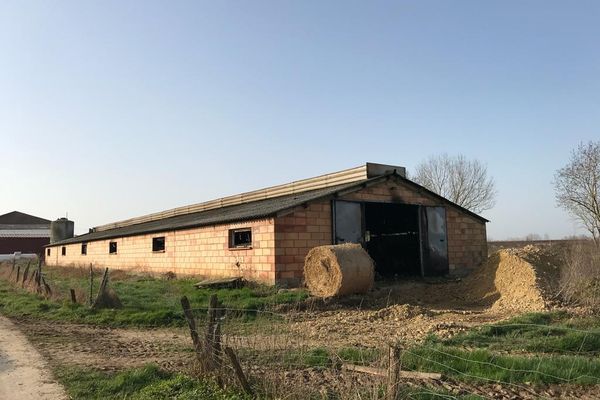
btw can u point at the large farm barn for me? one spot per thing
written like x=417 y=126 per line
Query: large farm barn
x=265 y=235
x=20 y=232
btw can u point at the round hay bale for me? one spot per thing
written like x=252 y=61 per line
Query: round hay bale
x=338 y=270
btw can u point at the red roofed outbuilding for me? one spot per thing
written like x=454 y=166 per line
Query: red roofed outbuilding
x=20 y=232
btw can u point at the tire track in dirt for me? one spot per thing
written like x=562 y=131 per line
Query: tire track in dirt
x=107 y=348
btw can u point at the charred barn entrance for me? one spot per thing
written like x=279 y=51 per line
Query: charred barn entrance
x=402 y=239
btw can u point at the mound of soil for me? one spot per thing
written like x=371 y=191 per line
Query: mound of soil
x=397 y=312
x=546 y=261
x=505 y=282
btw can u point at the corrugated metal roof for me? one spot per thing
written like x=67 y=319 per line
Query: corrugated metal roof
x=248 y=211
x=24 y=233
x=19 y=218
x=25 y=226
x=241 y=212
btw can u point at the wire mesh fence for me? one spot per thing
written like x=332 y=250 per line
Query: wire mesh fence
x=274 y=353
x=280 y=358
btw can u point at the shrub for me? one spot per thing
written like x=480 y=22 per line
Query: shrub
x=580 y=275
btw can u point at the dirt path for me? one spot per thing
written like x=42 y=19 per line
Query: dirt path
x=24 y=374
x=108 y=349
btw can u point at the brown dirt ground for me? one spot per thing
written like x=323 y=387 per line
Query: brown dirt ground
x=106 y=348
x=404 y=311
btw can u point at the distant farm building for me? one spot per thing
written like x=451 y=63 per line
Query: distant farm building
x=20 y=232
x=265 y=235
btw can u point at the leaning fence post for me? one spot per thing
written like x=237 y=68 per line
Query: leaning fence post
x=393 y=372
x=46 y=287
x=25 y=274
x=189 y=317
x=91 y=285
x=101 y=290
x=213 y=333
x=239 y=373
x=38 y=278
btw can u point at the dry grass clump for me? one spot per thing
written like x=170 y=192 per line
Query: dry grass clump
x=580 y=275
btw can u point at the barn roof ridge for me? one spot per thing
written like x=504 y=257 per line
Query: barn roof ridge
x=258 y=209
x=21 y=218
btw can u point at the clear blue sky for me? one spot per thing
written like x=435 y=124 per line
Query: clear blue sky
x=112 y=109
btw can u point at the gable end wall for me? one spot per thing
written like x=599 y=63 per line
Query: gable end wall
x=310 y=226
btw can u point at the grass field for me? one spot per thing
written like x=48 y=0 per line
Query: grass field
x=144 y=383
x=147 y=301
x=150 y=382
x=546 y=348
x=537 y=348
x=531 y=349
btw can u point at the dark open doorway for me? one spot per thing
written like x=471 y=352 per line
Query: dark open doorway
x=392 y=238
x=402 y=239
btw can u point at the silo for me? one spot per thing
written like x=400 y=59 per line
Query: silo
x=61 y=229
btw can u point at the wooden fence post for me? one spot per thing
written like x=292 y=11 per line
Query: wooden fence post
x=393 y=372
x=208 y=351
x=18 y=273
x=239 y=373
x=46 y=287
x=38 y=278
x=73 y=297
x=91 y=285
x=189 y=317
x=101 y=290
x=212 y=346
x=25 y=274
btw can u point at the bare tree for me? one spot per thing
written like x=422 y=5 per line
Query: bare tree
x=577 y=187
x=465 y=182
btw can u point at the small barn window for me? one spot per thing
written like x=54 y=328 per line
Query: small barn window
x=240 y=238
x=84 y=248
x=158 y=244
x=47 y=252
x=63 y=251
x=112 y=248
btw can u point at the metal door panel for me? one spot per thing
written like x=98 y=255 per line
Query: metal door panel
x=348 y=222
x=434 y=241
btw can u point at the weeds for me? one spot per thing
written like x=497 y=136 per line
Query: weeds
x=147 y=301
x=553 y=332
x=544 y=348
x=148 y=382
x=484 y=366
x=580 y=275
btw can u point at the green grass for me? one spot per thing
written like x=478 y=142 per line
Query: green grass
x=484 y=366
x=555 y=332
x=548 y=348
x=148 y=382
x=358 y=355
x=316 y=357
x=146 y=301
x=425 y=393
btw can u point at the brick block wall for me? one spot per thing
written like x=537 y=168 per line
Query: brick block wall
x=199 y=251
x=298 y=232
x=467 y=241
x=279 y=244
x=295 y=235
